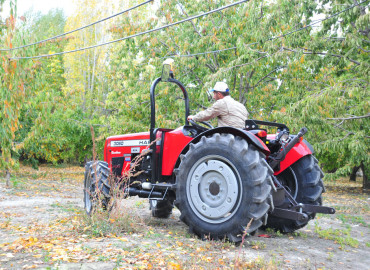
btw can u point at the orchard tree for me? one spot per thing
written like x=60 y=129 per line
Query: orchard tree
x=12 y=94
x=44 y=113
x=336 y=105
x=278 y=67
x=276 y=62
x=250 y=70
x=85 y=70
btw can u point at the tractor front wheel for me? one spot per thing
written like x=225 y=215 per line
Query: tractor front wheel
x=224 y=188
x=96 y=186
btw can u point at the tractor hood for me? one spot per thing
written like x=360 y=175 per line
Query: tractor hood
x=120 y=149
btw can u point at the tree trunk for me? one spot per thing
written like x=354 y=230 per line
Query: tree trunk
x=352 y=176
x=365 y=176
x=7 y=178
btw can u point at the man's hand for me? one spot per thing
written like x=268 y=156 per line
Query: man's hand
x=190 y=117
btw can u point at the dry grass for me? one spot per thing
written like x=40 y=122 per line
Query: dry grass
x=343 y=184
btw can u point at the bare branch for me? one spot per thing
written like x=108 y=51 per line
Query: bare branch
x=261 y=11
x=350 y=118
x=163 y=43
x=272 y=71
x=347 y=135
x=242 y=65
x=212 y=68
x=194 y=26
x=335 y=38
x=362 y=49
x=323 y=53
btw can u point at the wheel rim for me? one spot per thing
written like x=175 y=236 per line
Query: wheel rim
x=290 y=182
x=214 y=189
x=87 y=191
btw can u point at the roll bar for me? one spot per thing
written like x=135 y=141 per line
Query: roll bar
x=152 y=103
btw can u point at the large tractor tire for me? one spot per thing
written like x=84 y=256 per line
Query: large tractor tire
x=96 y=186
x=161 y=208
x=304 y=182
x=222 y=184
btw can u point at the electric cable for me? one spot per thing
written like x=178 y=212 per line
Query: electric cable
x=194 y=17
x=283 y=35
x=134 y=35
x=78 y=29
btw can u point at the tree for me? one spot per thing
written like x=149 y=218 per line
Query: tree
x=12 y=94
x=298 y=79
x=52 y=130
x=336 y=104
x=85 y=70
x=275 y=63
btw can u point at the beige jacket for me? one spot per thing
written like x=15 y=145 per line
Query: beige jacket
x=228 y=111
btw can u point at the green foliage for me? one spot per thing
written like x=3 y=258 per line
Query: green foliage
x=341 y=237
x=335 y=102
x=352 y=219
x=59 y=137
x=317 y=77
x=12 y=94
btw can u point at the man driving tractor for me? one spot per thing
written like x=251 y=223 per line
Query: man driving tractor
x=228 y=111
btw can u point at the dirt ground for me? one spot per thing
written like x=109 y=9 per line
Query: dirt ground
x=43 y=226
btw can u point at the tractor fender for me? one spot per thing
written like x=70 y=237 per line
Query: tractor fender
x=301 y=149
x=248 y=136
x=309 y=146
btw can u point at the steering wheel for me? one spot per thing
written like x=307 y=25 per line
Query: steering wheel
x=192 y=122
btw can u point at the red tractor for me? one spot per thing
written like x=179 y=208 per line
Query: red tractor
x=223 y=180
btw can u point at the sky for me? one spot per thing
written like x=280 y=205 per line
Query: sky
x=39 y=5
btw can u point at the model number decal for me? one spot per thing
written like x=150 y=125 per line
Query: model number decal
x=129 y=143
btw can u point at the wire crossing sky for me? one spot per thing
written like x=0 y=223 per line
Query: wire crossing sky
x=185 y=20
x=78 y=29
x=135 y=35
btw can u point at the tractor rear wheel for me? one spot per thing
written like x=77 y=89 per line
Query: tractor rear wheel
x=161 y=208
x=223 y=183
x=96 y=186
x=304 y=182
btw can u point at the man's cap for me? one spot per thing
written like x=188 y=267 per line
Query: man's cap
x=220 y=87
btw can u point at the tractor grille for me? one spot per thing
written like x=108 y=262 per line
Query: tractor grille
x=117 y=164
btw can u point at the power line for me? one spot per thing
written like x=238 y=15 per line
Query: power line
x=194 y=17
x=283 y=35
x=135 y=35
x=78 y=29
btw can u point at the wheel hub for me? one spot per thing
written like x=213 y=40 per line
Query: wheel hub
x=214 y=189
